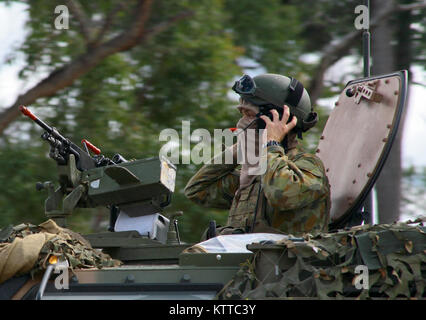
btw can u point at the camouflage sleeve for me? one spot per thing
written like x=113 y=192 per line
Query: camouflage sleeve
x=291 y=185
x=214 y=185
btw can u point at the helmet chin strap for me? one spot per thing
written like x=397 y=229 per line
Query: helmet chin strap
x=246 y=127
x=249 y=124
x=284 y=143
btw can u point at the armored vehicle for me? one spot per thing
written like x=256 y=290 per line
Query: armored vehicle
x=157 y=264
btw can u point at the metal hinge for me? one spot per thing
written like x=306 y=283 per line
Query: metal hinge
x=368 y=92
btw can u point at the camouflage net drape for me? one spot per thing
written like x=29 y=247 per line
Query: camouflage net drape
x=324 y=266
x=27 y=248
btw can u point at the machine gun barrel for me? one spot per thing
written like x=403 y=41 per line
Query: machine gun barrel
x=33 y=117
x=62 y=147
x=64 y=142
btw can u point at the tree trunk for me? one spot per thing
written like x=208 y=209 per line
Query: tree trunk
x=383 y=56
x=404 y=57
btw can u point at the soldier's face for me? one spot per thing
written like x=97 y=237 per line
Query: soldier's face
x=247 y=112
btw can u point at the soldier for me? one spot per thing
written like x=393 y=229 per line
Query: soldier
x=293 y=195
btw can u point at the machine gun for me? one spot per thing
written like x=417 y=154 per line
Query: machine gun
x=61 y=148
x=135 y=191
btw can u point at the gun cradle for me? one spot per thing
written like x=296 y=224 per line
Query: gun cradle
x=138 y=188
x=145 y=184
x=61 y=202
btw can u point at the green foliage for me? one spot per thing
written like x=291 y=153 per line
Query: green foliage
x=182 y=73
x=21 y=168
x=126 y=100
x=268 y=33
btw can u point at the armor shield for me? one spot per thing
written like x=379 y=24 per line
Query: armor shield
x=358 y=137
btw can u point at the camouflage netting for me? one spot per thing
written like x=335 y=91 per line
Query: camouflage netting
x=27 y=248
x=325 y=266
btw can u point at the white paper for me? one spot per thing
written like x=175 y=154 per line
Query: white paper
x=238 y=242
x=143 y=224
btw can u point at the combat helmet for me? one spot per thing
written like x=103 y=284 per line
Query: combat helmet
x=272 y=91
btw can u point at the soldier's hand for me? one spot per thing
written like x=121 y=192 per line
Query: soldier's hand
x=277 y=129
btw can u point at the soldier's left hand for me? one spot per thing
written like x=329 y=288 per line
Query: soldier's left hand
x=277 y=129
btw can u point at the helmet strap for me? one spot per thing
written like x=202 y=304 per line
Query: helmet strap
x=295 y=92
x=284 y=143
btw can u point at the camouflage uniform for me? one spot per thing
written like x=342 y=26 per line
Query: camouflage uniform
x=295 y=197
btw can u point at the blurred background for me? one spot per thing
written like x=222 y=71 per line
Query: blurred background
x=122 y=71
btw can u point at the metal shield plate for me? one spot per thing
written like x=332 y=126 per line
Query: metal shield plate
x=358 y=136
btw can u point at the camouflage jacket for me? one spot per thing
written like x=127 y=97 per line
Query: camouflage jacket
x=295 y=197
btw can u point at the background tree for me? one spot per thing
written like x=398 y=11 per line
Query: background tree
x=398 y=41
x=125 y=70
x=393 y=44
x=127 y=98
